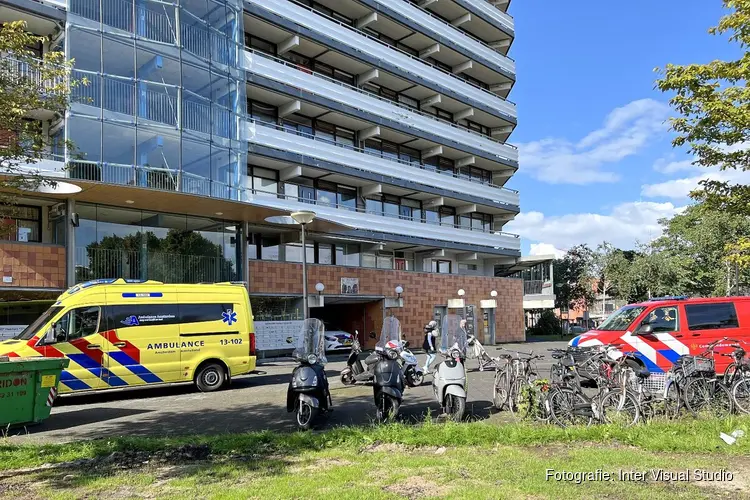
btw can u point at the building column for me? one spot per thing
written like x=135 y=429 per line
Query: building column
x=70 y=244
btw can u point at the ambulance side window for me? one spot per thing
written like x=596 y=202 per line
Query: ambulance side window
x=77 y=323
x=663 y=319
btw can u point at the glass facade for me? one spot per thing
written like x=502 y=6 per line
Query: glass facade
x=164 y=102
x=138 y=244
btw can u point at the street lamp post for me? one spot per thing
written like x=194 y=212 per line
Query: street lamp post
x=303 y=218
x=461 y=294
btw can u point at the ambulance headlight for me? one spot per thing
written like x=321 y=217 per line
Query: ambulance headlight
x=312 y=359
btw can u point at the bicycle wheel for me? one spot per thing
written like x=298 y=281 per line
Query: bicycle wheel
x=555 y=374
x=709 y=398
x=672 y=402
x=741 y=394
x=729 y=374
x=518 y=390
x=619 y=407
x=500 y=390
x=568 y=407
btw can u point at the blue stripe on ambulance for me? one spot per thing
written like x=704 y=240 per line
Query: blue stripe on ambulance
x=144 y=373
x=575 y=341
x=652 y=367
x=94 y=367
x=671 y=355
x=71 y=381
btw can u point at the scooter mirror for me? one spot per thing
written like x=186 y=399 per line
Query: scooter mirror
x=372 y=335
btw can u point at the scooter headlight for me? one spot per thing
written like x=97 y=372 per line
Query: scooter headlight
x=312 y=359
x=455 y=354
x=391 y=354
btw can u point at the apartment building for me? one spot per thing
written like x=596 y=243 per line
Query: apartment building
x=201 y=120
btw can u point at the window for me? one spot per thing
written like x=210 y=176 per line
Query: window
x=447 y=216
x=253 y=239
x=369 y=260
x=621 y=319
x=293 y=252
x=347 y=198
x=711 y=316
x=467 y=267
x=269 y=248
x=260 y=44
x=264 y=180
x=663 y=319
x=77 y=324
x=441 y=266
x=262 y=112
x=325 y=253
x=384 y=260
x=347 y=254
x=24 y=224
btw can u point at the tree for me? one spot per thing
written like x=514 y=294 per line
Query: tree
x=573 y=279
x=713 y=101
x=27 y=85
x=620 y=269
x=180 y=257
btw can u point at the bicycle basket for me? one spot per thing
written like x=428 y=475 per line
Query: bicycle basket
x=697 y=364
x=653 y=384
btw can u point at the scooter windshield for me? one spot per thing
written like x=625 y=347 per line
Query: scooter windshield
x=453 y=334
x=391 y=331
x=311 y=342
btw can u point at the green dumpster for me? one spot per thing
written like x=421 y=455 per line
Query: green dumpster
x=28 y=387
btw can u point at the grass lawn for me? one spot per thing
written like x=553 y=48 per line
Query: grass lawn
x=471 y=460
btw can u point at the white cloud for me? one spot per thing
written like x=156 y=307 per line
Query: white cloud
x=665 y=166
x=625 y=131
x=625 y=225
x=545 y=249
x=677 y=189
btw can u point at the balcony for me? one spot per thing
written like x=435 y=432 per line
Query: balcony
x=446 y=34
x=274 y=136
x=370 y=104
x=491 y=12
x=361 y=46
x=386 y=223
x=538 y=294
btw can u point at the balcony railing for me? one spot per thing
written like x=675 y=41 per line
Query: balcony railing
x=16 y=68
x=492 y=12
x=299 y=14
x=273 y=135
x=440 y=27
x=167 y=180
x=96 y=263
x=509 y=111
x=454 y=136
x=533 y=287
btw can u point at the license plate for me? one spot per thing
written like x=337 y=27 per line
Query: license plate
x=347 y=342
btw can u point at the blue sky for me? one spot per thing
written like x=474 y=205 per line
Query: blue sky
x=596 y=159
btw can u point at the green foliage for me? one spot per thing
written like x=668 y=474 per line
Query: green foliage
x=572 y=277
x=180 y=257
x=547 y=324
x=713 y=101
x=27 y=84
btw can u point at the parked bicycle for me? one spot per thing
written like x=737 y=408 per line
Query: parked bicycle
x=700 y=387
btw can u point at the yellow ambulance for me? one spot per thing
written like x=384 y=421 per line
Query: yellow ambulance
x=120 y=333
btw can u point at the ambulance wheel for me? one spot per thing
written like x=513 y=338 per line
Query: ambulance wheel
x=210 y=377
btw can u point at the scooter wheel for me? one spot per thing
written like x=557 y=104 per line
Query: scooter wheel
x=347 y=379
x=414 y=378
x=455 y=407
x=387 y=408
x=306 y=415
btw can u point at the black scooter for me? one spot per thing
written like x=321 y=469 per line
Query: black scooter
x=355 y=371
x=308 y=394
x=388 y=384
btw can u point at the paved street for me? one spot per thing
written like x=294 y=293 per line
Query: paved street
x=252 y=403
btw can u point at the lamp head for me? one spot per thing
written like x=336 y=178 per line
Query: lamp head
x=320 y=287
x=399 y=290
x=461 y=292
x=493 y=293
x=303 y=216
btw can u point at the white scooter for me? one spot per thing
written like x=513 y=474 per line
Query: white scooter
x=449 y=380
x=412 y=372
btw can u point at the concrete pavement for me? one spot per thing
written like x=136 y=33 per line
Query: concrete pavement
x=252 y=403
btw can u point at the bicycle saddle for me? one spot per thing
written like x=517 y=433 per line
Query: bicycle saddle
x=568 y=363
x=642 y=372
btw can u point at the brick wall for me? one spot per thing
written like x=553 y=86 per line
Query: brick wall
x=422 y=291
x=33 y=265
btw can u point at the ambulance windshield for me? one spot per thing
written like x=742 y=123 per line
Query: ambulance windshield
x=42 y=320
